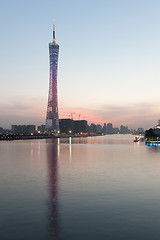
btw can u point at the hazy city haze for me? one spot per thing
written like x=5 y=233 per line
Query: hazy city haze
x=108 y=64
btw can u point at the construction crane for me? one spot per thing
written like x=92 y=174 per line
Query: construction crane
x=72 y=115
x=79 y=116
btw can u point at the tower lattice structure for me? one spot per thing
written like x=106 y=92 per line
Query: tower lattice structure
x=52 y=117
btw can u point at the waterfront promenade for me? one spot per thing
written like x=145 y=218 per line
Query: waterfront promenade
x=12 y=137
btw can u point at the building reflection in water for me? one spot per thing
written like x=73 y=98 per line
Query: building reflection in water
x=52 y=158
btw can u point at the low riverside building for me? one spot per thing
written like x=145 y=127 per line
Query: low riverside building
x=70 y=126
x=23 y=129
x=80 y=126
x=41 y=129
x=66 y=126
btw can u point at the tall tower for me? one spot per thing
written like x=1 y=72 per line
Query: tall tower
x=52 y=118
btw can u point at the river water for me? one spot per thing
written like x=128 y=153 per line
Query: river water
x=91 y=188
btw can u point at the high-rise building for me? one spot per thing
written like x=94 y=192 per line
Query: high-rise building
x=109 y=128
x=104 y=129
x=92 y=128
x=52 y=118
x=99 y=129
x=124 y=129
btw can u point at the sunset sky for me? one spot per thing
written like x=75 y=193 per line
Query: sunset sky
x=109 y=61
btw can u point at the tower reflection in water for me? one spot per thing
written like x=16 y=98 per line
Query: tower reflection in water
x=52 y=158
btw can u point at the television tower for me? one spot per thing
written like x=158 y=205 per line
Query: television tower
x=52 y=118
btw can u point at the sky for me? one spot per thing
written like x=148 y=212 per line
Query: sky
x=109 y=60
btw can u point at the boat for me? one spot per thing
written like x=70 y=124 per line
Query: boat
x=136 y=139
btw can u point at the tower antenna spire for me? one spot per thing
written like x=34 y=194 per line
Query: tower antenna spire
x=54 y=38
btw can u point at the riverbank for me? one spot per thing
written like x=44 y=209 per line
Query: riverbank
x=13 y=137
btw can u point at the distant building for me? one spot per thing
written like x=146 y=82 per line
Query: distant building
x=92 y=128
x=156 y=131
x=158 y=124
x=109 y=128
x=41 y=128
x=66 y=126
x=124 y=129
x=80 y=126
x=115 y=130
x=104 y=130
x=1 y=130
x=99 y=129
x=140 y=131
x=23 y=129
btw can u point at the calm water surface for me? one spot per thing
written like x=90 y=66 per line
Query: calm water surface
x=103 y=187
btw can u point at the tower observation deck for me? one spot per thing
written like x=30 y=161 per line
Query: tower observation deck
x=52 y=117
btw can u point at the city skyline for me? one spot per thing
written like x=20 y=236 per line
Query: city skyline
x=108 y=64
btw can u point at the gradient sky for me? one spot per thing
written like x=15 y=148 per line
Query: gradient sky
x=108 y=64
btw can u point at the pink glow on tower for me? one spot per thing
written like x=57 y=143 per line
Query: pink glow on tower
x=54 y=38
